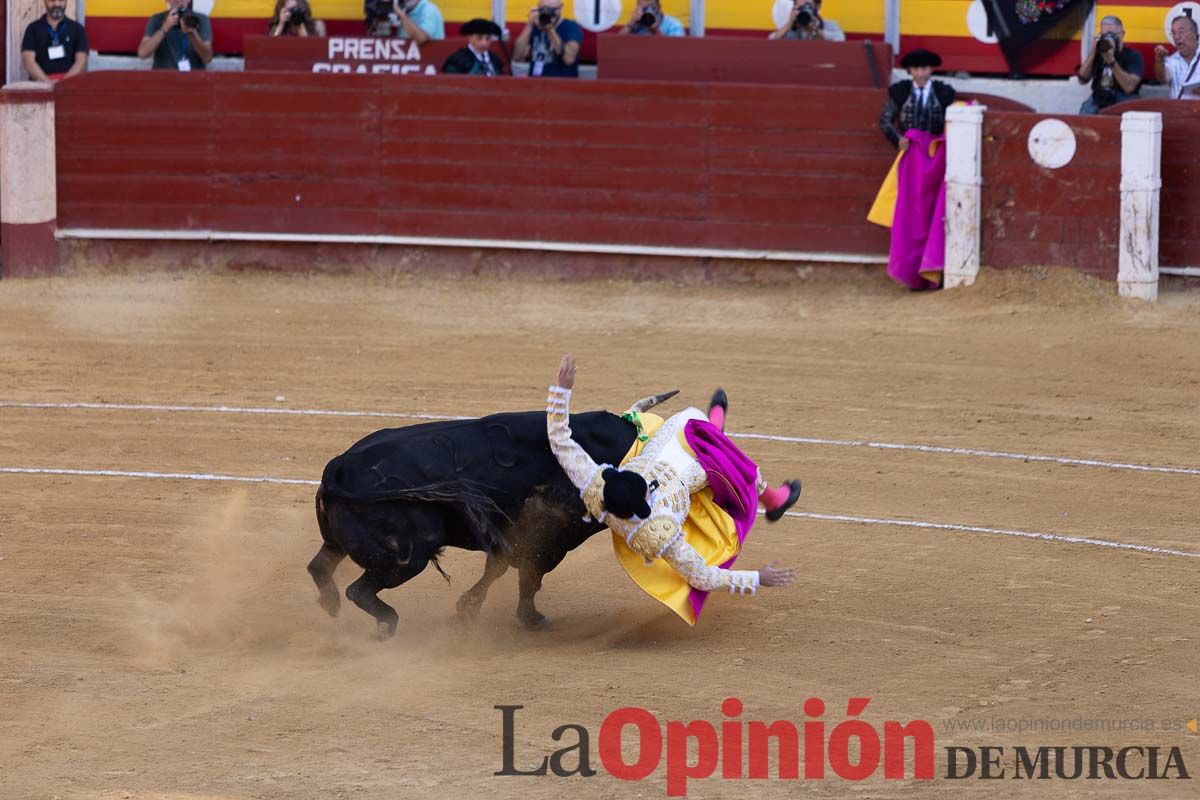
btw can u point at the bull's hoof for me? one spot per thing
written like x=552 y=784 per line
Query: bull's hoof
x=331 y=602
x=384 y=631
x=533 y=620
x=468 y=606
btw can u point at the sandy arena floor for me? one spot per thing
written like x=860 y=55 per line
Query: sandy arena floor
x=160 y=640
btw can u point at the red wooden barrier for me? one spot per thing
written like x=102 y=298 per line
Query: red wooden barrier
x=744 y=60
x=1179 y=223
x=1034 y=216
x=598 y=162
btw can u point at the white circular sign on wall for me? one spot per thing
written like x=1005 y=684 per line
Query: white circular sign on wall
x=977 y=23
x=204 y=7
x=597 y=15
x=1181 y=10
x=1052 y=143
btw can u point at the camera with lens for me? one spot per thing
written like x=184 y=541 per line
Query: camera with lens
x=377 y=14
x=805 y=16
x=1108 y=41
x=650 y=17
x=547 y=16
x=187 y=17
x=299 y=14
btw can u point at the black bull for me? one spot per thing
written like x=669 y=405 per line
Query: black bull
x=396 y=499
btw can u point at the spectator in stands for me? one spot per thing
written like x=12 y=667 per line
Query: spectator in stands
x=805 y=22
x=1180 y=69
x=178 y=38
x=476 y=58
x=550 y=43
x=648 y=19
x=294 y=18
x=54 y=47
x=1114 y=70
x=419 y=20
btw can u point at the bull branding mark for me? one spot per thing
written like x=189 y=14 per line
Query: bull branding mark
x=503 y=452
x=441 y=440
x=376 y=469
x=392 y=543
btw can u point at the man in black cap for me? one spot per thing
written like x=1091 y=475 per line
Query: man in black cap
x=919 y=103
x=476 y=58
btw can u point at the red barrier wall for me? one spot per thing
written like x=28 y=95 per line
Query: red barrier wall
x=1034 y=216
x=1179 y=223
x=744 y=61
x=598 y=162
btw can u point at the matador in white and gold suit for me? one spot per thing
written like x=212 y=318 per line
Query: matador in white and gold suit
x=674 y=537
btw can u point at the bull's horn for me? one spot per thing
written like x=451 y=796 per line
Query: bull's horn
x=647 y=403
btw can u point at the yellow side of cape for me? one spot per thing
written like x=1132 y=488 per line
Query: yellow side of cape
x=883 y=210
x=708 y=528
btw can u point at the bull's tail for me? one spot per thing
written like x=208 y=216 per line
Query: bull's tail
x=467 y=499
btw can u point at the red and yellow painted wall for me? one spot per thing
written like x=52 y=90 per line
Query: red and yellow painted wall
x=940 y=25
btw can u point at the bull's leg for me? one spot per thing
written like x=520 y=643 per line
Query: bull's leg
x=530 y=583
x=472 y=599
x=321 y=569
x=364 y=594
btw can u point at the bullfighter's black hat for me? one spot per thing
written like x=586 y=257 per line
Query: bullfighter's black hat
x=483 y=27
x=625 y=494
x=921 y=58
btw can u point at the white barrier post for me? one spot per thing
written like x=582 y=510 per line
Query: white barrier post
x=964 y=193
x=1141 y=180
x=28 y=198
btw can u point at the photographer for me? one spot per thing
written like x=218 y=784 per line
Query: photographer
x=1115 y=71
x=294 y=18
x=550 y=43
x=418 y=20
x=805 y=22
x=648 y=19
x=178 y=38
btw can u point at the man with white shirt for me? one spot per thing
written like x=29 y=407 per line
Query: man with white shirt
x=476 y=58
x=1180 y=69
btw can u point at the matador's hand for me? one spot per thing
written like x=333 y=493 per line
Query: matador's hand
x=566 y=372
x=775 y=575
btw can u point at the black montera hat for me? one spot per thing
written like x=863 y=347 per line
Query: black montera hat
x=921 y=58
x=625 y=494
x=482 y=27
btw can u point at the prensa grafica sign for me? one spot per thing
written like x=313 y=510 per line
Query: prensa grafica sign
x=374 y=56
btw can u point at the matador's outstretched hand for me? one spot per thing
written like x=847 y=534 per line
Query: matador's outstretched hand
x=566 y=372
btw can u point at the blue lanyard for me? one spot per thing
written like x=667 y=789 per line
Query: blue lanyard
x=183 y=41
x=53 y=33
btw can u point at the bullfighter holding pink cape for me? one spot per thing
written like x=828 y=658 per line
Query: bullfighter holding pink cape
x=912 y=201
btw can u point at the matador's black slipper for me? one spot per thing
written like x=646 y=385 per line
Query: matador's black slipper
x=776 y=514
x=719 y=400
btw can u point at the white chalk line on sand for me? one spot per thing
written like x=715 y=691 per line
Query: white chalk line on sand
x=172 y=476
x=902 y=523
x=918 y=448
